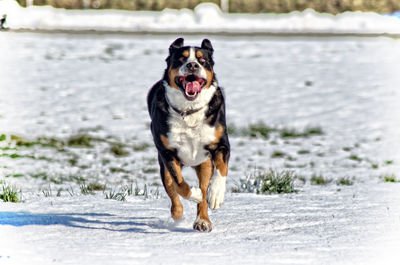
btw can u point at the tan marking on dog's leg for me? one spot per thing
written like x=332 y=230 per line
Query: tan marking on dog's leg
x=182 y=187
x=204 y=172
x=170 y=188
x=218 y=133
x=220 y=164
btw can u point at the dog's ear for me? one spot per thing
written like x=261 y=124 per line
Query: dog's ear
x=178 y=43
x=206 y=44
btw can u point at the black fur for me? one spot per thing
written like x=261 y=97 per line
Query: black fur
x=159 y=111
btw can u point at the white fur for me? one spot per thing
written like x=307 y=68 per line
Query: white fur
x=183 y=70
x=192 y=55
x=217 y=191
x=203 y=223
x=178 y=100
x=196 y=195
x=190 y=134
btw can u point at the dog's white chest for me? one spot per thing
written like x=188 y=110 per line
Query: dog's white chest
x=189 y=135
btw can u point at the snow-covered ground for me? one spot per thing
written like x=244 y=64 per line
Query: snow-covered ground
x=205 y=18
x=55 y=88
x=63 y=85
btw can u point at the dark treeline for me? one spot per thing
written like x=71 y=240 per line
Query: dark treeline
x=235 y=6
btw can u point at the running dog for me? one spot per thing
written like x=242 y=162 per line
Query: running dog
x=188 y=124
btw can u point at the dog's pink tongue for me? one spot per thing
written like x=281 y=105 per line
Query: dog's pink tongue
x=193 y=87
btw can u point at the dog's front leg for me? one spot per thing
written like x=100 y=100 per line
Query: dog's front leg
x=174 y=184
x=218 y=185
x=204 y=172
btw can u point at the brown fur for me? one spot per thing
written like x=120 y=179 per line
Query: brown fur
x=204 y=173
x=186 y=53
x=221 y=165
x=219 y=132
x=199 y=54
x=210 y=75
x=172 y=73
x=165 y=142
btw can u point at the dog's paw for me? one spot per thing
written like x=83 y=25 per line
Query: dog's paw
x=217 y=192
x=196 y=195
x=202 y=225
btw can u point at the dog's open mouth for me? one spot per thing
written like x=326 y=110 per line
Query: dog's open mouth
x=191 y=85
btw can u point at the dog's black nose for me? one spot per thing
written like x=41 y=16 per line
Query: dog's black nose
x=192 y=66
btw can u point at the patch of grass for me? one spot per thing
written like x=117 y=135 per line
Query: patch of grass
x=277 y=154
x=347 y=181
x=319 y=180
x=10 y=194
x=291 y=158
x=73 y=161
x=47 y=192
x=287 y=165
x=113 y=195
x=14 y=176
x=307 y=132
x=80 y=140
x=260 y=130
x=232 y=129
x=290 y=133
x=57 y=180
x=77 y=179
x=119 y=170
x=270 y=182
x=52 y=142
x=3 y=137
x=95 y=186
x=390 y=178
x=14 y=155
x=90 y=188
x=389 y=162
x=303 y=152
x=150 y=170
x=355 y=158
x=302 y=179
x=118 y=150
x=141 y=146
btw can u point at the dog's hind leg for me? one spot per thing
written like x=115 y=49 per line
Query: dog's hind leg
x=204 y=172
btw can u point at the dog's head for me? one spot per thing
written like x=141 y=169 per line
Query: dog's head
x=190 y=69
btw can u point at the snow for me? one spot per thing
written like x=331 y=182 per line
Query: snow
x=60 y=85
x=327 y=227
x=206 y=17
x=79 y=84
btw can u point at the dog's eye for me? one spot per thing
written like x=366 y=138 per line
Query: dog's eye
x=182 y=59
x=202 y=60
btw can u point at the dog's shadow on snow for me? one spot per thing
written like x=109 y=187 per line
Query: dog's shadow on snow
x=102 y=221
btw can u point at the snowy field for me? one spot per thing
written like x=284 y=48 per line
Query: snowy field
x=77 y=105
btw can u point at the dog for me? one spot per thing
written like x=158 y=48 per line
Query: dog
x=188 y=124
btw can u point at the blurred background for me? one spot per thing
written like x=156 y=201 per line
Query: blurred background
x=232 y=6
